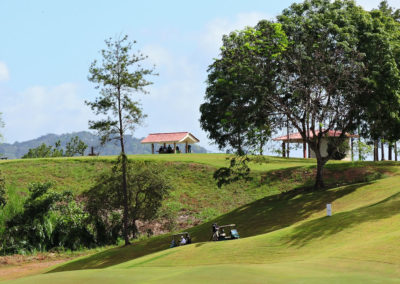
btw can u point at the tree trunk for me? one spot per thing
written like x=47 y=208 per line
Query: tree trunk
x=287 y=133
x=125 y=220
x=319 y=180
x=395 y=151
x=382 y=151
x=375 y=150
x=125 y=193
x=352 y=149
x=390 y=152
x=359 y=144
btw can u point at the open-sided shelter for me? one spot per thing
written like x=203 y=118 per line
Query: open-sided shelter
x=296 y=138
x=170 y=138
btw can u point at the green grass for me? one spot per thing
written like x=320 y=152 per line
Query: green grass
x=286 y=236
x=195 y=193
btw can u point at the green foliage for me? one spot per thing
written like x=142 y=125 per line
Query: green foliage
x=338 y=148
x=48 y=219
x=117 y=81
x=75 y=146
x=147 y=187
x=363 y=149
x=325 y=66
x=238 y=170
x=232 y=113
x=44 y=151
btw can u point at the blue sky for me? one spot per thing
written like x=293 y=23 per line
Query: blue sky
x=47 y=46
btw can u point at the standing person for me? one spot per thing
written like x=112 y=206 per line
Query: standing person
x=189 y=148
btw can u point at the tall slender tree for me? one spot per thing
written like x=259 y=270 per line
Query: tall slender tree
x=119 y=76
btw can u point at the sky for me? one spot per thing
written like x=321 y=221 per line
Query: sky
x=47 y=47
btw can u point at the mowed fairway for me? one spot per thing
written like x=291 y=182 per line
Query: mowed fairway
x=286 y=238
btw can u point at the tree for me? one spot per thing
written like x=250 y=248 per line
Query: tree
x=44 y=151
x=379 y=39
x=389 y=11
x=315 y=80
x=147 y=186
x=75 y=146
x=231 y=113
x=118 y=82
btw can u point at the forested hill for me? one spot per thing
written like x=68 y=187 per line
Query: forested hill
x=133 y=146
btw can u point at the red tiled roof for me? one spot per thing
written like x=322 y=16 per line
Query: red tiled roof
x=297 y=136
x=167 y=137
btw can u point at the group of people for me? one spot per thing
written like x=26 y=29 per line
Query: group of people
x=169 y=150
x=185 y=240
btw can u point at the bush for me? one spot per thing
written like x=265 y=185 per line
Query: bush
x=48 y=219
x=341 y=147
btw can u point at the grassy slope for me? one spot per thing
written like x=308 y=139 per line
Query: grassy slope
x=288 y=238
x=195 y=193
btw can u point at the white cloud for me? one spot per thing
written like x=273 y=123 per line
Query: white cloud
x=4 y=74
x=211 y=39
x=40 y=110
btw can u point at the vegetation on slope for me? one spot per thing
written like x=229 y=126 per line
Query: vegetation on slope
x=276 y=224
x=285 y=237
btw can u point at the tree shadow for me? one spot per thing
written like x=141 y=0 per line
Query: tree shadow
x=117 y=255
x=259 y=217
x=327 y=226
x=275 y=212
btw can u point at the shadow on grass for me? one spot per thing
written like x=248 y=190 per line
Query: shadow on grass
x=259 y=217
x=274 y=212
x=327 y=226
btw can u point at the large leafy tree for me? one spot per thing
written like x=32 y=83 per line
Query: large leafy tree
x=231 y=113
x=119 y=76
x=321 y=75
x=379 y=39
x=320 y=80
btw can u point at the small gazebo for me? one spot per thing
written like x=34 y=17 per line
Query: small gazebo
x=170 y=138
x=297 y=139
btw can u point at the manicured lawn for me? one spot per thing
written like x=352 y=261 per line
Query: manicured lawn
x=286 y=237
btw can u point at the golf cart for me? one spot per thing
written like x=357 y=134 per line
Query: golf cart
x=220 y=235
x=180 y=239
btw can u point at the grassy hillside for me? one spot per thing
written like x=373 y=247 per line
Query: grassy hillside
x=287 y=238
x=285 y=234
x=195 y=197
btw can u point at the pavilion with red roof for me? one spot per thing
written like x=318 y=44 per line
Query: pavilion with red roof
x=296 y=138
x=174 y=138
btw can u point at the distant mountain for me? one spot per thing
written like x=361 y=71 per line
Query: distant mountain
x=132 y=144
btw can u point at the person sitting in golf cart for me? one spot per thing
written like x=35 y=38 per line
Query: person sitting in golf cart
x=188 y=239
x=183 y=241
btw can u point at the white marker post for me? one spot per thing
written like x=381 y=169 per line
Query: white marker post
x=329 y=209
